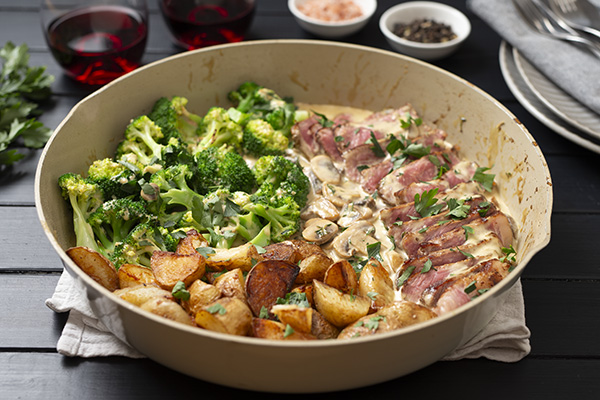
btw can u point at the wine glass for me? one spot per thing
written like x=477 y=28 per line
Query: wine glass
x=200 y=23
x=95 y=41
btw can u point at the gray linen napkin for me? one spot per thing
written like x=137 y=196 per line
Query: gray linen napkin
x=505 y=338
x=574 y=70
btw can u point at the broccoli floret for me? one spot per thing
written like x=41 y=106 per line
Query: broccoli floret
x=85 y=197
x=175 y=119
x=173 y=187
x=284 y=220
x=114 y=220
x=224 y=169
x=279 y=177
x=141 y=243
x=142 y=138
x=260 y=138
x=115 y=179
x=263 y=103
x=217 y=129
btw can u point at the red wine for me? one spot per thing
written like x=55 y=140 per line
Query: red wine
x=196 y=24
x=98 y=44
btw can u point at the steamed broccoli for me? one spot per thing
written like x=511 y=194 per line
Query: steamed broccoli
x=283 y=221
x=175 y=119
x=114 y=220
x=279 y=177
x=223 y=168
x=218 y=128
x=143 y=138
x=115 y=179
x=260 y=138
x=85 y=197
x=142 y=241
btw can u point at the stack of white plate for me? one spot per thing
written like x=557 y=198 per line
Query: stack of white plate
x=547 y=102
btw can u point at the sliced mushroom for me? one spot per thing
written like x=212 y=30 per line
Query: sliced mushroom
x=354 y=239
x=320 y=207
x=352 y=213
x=340 y=194
x=324 y=169
x=319 y=230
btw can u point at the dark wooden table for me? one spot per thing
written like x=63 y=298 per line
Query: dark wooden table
x=561 y=284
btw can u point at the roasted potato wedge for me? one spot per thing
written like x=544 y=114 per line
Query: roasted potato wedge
x=201 y=294
x=268 y=329
x=337 y=307
x=395 y=316
x=138 y=295
x=307 y=289
x=299 y=318
x=242 y=257
x=191 y=242
x=134 y=275
x=170 y=268
x=168 y=309
x=321 y=328
x=375 y=283
x=284 y=251
x=341 y=275
x=268 y=280
x=232 y=284
x=313 y=267
x=98 y=267
x=226 y=315
x=306 y=249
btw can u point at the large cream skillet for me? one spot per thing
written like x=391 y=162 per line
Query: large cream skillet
x=312 y=72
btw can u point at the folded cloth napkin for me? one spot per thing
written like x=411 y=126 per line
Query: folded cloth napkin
x=505 y=338
x=573 y=69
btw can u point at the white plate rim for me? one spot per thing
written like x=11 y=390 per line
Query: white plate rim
x=527 y=100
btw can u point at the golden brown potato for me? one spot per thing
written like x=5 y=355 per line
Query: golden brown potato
x=284 y=251
x=299 y=318
x=341 y=275
x=201 y=294
x=313 y=267
x=135 y=275
x=268 y=280
x=321 y=328
x=395 y=316
x=242 y=257
x=307 y=289
x=138 y=295
x=98 y=267
x=168 y=309
x=375 y=283
x=170 y=268
x=337 y=307
x=232 y=284
x=305 y=248
x=226 y=315
x=268 y=329
x=191 y=242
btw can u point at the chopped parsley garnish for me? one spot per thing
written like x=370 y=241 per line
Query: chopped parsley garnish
x=260 y=249
x=264 y=313
x=231 y=209
x=217 y=308
x=425 y=204
x=288 y=331
x=468 y=230
x=407 y=149
x=464 y=253
x=338 y=139
x=323 y=120
x=470 y=287
x=373 y=322
x=485 y=180
x=458 y=208
x=361 y=168
x=406 y=123
x=483 y=208
x=373 y=251
x=372 y=295
x=509 y=254
x=428 y=266
x=205 y=251
x=179 y=291
x=442 y=168
x=405 y=275
x=294 y=298
x=377 y=150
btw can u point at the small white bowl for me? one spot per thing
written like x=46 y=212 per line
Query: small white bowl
x=441 y=13
x=335 y=29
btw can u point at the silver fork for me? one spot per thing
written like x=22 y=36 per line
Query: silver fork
x=580 y=14
x=540 y=21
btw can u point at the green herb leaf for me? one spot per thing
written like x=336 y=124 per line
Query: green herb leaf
x=485 y=180
x=323 y=120
x=288 y=331
x=377 y=150
x=294 y=298
x=425 y=204
x=373 y=251
x=483 y=208
x=457 y=208
x=217 y=308
x=470 y=287
x=179 y=291
x=468 y=230
x=427 y=266
x=372 y=295
x=264 y=313
x=405 y=275
x=205 y=251
x=373 y=322
x=509 y=254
